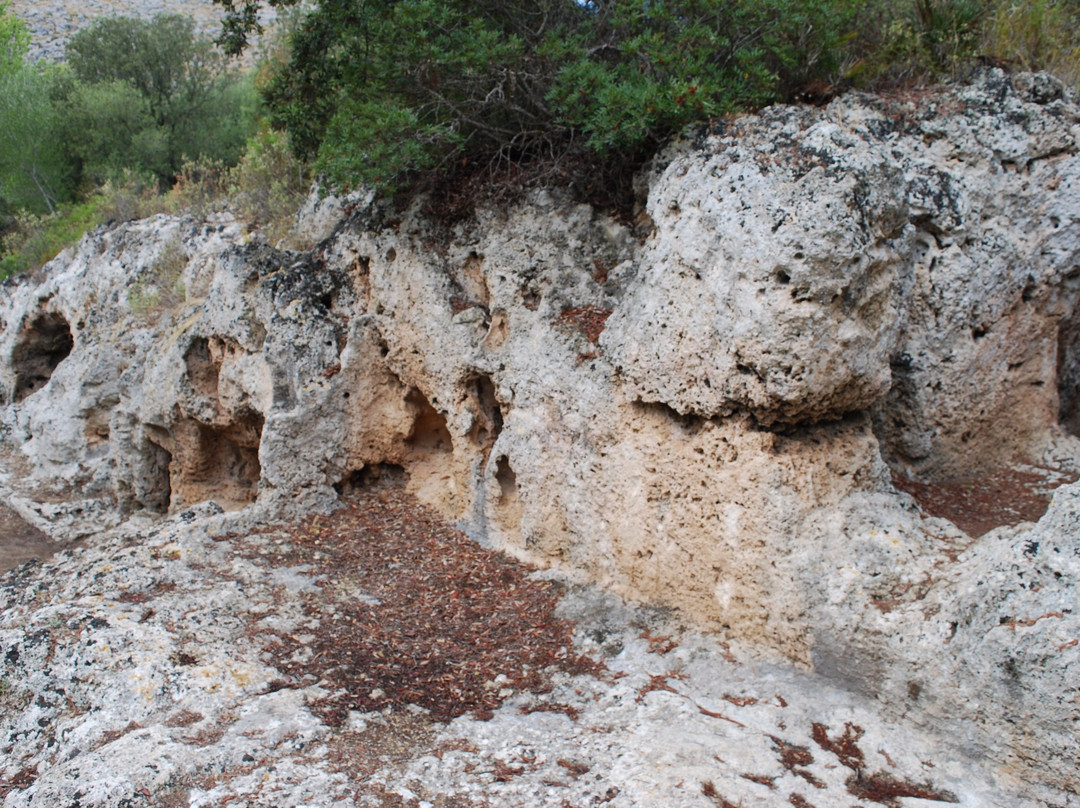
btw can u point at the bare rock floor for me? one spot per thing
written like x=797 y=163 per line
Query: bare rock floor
x=202 y=662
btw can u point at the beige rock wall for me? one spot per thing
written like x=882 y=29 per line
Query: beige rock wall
x=699 y=418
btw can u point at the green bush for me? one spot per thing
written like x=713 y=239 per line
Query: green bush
x=379 y=91
x=148 y=95
x=268 y=184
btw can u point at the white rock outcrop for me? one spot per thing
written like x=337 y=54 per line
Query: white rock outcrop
x=700 y=418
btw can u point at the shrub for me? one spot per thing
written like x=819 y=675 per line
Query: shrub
x=39 y=239
x=147 y=95
x=381 y=92
x=34 y=240
x=268 y=184
x=161 y=287
x=1036 y=35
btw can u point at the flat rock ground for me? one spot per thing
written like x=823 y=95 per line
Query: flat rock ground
x=377 y=657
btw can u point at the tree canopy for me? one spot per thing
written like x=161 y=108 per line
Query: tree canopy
x=33 y=172
x=148 y=94
x=378 y=90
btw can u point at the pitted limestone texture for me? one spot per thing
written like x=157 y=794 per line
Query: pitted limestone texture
x=705 y=414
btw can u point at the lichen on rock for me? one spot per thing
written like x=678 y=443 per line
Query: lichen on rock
x=706 y=416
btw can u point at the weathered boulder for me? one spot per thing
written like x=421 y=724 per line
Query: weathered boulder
x=778 y=276
x=701 y=418
x=987 y=361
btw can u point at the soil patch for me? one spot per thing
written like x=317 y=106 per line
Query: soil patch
x=21 y=541
x=412 y=612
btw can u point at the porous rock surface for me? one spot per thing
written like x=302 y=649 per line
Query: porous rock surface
x=136 y=677
x=700 y=412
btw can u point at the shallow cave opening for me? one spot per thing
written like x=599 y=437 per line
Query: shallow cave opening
x=218 y=462
x=372 y=475
x=428 y=456
x=429 y=435
x=992 y=490
x=44 y=343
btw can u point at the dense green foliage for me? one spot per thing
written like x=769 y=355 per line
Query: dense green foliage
x=148 y=94
x=135 y=102
x=33 y=172
x=378 y=89
x=381 y=92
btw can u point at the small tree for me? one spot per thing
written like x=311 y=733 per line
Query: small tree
x=109 y=126
x=14 y=41
x=148 y=94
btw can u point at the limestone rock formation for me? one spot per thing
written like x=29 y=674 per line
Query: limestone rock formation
x=703 y=417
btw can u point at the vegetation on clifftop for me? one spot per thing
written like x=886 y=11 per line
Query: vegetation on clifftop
x=465 y=98
x=143 y=116
x=390 y=94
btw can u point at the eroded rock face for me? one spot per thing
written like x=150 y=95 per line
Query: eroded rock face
x=788 y=301
x=700 y=418
x=997 y=268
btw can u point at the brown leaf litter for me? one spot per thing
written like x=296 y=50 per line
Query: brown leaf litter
x=412 y=612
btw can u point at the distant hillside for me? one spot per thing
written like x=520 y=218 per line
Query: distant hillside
x=52 y=22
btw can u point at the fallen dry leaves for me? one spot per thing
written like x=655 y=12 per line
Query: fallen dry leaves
x=1005 y=496
x=413 y=612
x=588 y=320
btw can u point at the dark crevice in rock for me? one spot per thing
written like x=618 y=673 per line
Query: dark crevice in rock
x=690 y=423
x=1068 y=375
x=44 y=343
x=488 y=421
x=157 y=494
x=373 y=475
x=202 y=369
x=472 y=280
x=509 y=508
